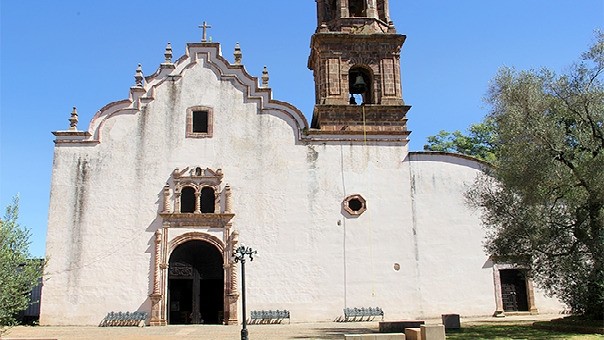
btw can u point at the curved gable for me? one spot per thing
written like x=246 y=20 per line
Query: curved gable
x=207 y=54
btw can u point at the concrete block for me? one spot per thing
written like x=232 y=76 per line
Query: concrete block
x=451 y=322
x=433 y=332
x=413 y=333
x=389 y=336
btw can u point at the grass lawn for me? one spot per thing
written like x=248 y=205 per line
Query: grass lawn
x=514 y=331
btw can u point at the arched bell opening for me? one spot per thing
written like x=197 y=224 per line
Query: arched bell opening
x=196 y=284
x=360 y=85
x=357 y=8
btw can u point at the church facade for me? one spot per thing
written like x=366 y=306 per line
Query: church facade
x=149 y=203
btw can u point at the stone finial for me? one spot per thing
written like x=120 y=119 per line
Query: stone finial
x=138 y=76
x=166 y=199
x=391 y=28
x=228 y=205
x=264 y=77
x=237 y=54
x=168 y=54
x=73 y=120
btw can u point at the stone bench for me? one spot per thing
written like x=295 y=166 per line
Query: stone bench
x=351 y=314
x=269 y=316
x=399 y=326
x=120 y=319
x=390 y=336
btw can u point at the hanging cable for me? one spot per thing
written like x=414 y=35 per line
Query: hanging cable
x=364 y=124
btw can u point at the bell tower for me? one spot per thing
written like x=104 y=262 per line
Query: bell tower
x=355 y=58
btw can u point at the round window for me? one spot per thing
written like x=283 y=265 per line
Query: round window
x=355 y=204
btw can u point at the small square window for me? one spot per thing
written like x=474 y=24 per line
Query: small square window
x=199 y=122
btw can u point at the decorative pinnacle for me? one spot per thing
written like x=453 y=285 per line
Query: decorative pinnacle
x=138 y=76
x=264 y=77
x=73 y=120
x=168 y=54
x=237 y=54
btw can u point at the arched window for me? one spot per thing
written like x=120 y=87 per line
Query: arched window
x=357 y=8
x=187 y=200
x=360 y=85
x=208 y=199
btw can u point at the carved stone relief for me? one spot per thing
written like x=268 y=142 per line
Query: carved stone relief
x=196 y=178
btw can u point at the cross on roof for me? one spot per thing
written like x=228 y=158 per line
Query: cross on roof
x=204 y=28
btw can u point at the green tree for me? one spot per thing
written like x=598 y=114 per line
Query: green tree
x=18 y=272
x=543 y=200
x=480 y=142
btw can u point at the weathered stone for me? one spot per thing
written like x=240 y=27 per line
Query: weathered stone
x=451 y=321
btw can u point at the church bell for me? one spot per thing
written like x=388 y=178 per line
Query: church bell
x=359 y=85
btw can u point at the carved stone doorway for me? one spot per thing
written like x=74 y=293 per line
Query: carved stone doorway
x=196 y=284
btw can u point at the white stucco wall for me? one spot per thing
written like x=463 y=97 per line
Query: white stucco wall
x=452 y=274
x=287 y=193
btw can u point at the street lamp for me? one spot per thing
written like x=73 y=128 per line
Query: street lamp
x=239 y=255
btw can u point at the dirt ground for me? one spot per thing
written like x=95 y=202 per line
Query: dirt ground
x=327 y=330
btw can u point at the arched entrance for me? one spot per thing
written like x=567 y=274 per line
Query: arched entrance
x=196 y=284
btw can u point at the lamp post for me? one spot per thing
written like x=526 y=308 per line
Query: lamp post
x=239 y=255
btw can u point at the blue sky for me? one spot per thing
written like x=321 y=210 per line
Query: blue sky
x=59 y=54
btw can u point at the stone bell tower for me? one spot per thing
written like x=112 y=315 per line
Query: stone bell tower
x=355 y=58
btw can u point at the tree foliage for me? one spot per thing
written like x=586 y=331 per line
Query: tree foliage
x=18 y=272
x=479 y=143
x=543 y=200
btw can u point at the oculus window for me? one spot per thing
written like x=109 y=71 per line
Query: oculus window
x=354 y=205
